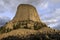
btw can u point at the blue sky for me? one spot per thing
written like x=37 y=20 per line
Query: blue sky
x=48 y=10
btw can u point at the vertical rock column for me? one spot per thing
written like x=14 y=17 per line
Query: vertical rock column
x=25 y=12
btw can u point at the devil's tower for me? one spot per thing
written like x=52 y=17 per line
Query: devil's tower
x=26 y=17
x=26 y=12
x=25 y=25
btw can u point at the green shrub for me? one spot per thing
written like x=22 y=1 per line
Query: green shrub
x=16 y=26
x=37 y=26
x=8 y=30
x=4 y=30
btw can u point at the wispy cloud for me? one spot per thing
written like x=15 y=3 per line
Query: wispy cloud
x=55 y=1
x=44 y=5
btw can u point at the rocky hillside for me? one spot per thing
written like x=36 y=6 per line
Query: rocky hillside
x=27 y=34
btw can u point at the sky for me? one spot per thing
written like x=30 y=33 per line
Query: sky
x=48 y=10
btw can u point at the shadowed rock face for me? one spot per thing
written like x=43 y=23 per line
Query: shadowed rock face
x=26 y=12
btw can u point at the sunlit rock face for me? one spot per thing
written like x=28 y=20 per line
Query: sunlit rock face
x=26 y=25
x=26 y=17
x=26 y=12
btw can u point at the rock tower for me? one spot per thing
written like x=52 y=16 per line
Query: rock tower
x=26 y=12
x=26 y=25
x=26 y=17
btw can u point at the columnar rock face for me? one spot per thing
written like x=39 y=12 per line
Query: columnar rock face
x=26 y=12
x=26 y=17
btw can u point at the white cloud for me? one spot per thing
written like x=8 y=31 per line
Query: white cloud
x=54 y=20
x=55 y=1
x=44 y=5
x=57 y=11
x=51 y=20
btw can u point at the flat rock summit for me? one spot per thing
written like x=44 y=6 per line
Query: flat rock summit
x=26 y=25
